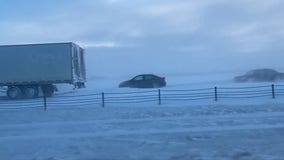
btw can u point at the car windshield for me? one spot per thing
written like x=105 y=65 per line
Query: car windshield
x=250 y=73
x=138 y=78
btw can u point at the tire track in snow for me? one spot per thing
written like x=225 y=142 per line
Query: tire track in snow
x=113 y=133
x=187 y=118
x=119 y=127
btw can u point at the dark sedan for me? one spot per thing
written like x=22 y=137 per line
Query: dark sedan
x=144 y=81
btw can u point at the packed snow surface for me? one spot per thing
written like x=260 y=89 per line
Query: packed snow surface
x=245 y=129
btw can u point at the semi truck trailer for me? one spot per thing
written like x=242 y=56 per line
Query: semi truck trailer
x=31 y=70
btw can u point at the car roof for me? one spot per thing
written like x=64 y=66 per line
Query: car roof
x=265 y=70
x=147 y=75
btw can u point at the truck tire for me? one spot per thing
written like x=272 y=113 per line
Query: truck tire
x=48 y=90
x=14 y=92
x=30 y=91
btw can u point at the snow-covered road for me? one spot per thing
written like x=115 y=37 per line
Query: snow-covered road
x=117 y=127
x=168 y=132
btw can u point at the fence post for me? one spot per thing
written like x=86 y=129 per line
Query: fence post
x=44 y=102
x=273 y=91
x=159 y=93
x=103 y=99
x=215 y=94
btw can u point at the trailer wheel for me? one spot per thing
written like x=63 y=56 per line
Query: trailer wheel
x=30 y=91
x=14 y=92
x=48 y=90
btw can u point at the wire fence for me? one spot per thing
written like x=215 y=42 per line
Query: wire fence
x=153 y=96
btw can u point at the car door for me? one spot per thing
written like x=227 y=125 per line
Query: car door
x=137 y=81
x=148 y=81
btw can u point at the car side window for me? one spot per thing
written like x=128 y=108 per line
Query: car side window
x=138 y=78
x=148 y=77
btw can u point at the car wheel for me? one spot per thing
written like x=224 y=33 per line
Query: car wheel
x=156 y=85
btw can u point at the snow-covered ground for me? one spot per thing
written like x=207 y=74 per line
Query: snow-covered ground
x=246 y=129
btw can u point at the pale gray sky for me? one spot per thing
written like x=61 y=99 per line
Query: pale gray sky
x=160 y=36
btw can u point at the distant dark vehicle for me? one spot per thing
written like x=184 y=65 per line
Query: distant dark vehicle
x=260 y=75
x=144 y=81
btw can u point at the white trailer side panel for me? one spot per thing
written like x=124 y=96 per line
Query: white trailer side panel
x=39 y=63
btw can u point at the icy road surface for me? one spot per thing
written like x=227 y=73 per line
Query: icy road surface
x=252 y=132
x=248 y=129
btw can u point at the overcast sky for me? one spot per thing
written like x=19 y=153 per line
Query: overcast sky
x=124 y=37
